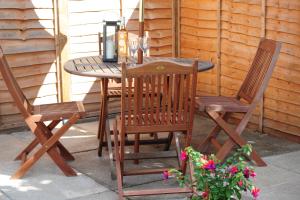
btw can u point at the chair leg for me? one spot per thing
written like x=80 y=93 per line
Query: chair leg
x=203 y=146
x=100 y=132
x=48 y=145
x=103 y=112
x=229 y=144
x=136 y=146
x=188 y=138
x=63 y=151
x=28 y=149
x=35 y=142
x=234 y=139
x=110 y=151
x=168 y=144
x=118 y=163
x=178 y=148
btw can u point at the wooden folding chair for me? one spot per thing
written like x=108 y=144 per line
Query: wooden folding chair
x=220 y=108
x=142 y=111
x=35 y=116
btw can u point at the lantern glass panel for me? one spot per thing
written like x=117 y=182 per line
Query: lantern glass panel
x=110 y=43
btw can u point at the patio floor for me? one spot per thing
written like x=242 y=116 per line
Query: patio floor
x=280 y=180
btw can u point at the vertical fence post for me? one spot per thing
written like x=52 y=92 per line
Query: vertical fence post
x=262 y=35
x=62 y=51
x=175 y=28
x=219 y=32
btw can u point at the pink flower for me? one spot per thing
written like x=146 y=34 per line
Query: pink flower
x=246 y=172
x=183 y=156
x=204 y=194
x=255 y=192
x=166 y=175
x=252 y=173
x=210 y=165
x=233 y=170
x=240 y=183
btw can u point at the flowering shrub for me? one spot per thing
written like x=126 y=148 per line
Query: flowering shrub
x=215 y=180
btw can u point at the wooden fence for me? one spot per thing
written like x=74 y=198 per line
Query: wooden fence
x=224 y=31
x=27 y=38
x=228 y=32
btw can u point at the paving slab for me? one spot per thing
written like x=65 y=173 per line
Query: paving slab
x=99 y=169
x=287 y=191
x=280 y=180
x=107 y=195
x=270 y=176
x=44 y=180
x=289 y=161
x=3 y=196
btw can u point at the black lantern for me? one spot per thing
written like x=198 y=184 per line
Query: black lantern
x=110 y=41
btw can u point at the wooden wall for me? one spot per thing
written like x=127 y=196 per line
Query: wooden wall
x=241 y=31
x=85 y=22
x=27 y=38
x=198 y=38
x=243 y=22
x=282 y=99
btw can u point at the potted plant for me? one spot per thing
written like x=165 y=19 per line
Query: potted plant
x=215 y=180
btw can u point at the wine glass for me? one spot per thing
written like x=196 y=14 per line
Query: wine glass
x=133 y=47
x=144 y=44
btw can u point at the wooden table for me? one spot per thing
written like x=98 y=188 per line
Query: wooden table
x=93 y=66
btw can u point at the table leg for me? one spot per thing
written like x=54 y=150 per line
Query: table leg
x=103 y=114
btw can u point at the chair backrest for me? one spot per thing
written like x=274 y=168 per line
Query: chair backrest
x=13 y=87
x=158 y=96
x=260 y=71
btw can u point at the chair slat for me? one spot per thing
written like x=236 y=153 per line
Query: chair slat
x=129 y=100
x=186 y=99
x=135 y=100
x=181 y=96
x=152 y=99
x=147 y=98
x=164 y=99
x=258 y=71
x=170 y=91
x=158 y=98
x=175 y=101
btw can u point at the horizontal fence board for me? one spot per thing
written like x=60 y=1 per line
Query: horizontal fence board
x=30 y=14
x=28 y=41
x=26 y=4
x=35 y=80
x=25 y=25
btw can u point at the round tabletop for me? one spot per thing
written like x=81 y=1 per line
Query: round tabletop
x=93 y=66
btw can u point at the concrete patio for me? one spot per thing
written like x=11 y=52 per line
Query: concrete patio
x=280 y=180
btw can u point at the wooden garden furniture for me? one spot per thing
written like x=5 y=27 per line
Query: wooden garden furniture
x=220 y=108
x=143 y=111
x=93 y=66
x=35 y=117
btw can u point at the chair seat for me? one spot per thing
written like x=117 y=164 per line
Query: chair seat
x=57 y=111
x=220 y=104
